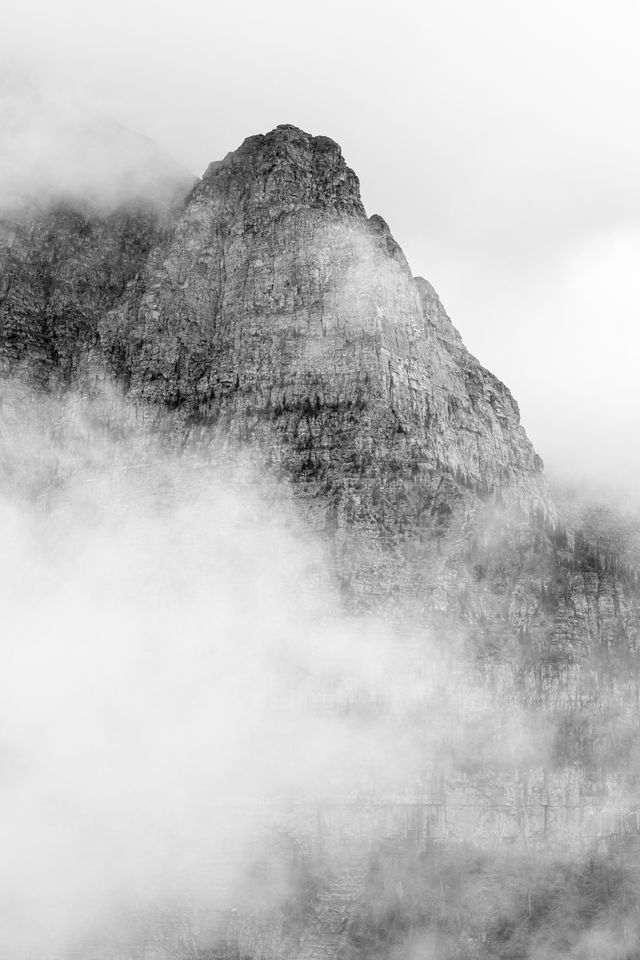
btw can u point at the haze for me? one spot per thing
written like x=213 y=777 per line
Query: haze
x=499 y=140
x=159 y=715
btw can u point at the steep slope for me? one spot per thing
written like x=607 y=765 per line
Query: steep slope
x=277 y=304
x=279 y=312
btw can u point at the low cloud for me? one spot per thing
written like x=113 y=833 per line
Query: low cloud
x=54 y=147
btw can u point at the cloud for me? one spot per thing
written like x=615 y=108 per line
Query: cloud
x=173 y=665
x=56 y=148
x=178 y=677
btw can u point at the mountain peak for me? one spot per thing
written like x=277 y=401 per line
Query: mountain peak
x=277 y=308
x=273 y=305
x=286 y=169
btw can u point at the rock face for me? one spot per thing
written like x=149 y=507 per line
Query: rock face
x=273 y=303
x=270 y=308
x=277 y=304
x=61 y=269
x=74 y=228
x=276 y=309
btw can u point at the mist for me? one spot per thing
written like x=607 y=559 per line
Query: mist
x=195 y=732
x=176 y=674
x=152 y=615
x=57 y=148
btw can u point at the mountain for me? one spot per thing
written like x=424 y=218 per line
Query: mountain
x=267 y=308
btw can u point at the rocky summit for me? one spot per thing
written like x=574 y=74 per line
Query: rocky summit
x=267 y=309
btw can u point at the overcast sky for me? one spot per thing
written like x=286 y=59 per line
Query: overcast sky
x=499 y=139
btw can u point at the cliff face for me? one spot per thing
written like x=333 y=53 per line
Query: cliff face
x=271 y=307
x=268 y=307
x=277 y=304
x=61 y=269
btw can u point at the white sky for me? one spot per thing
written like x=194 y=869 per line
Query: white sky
x=499 y=139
